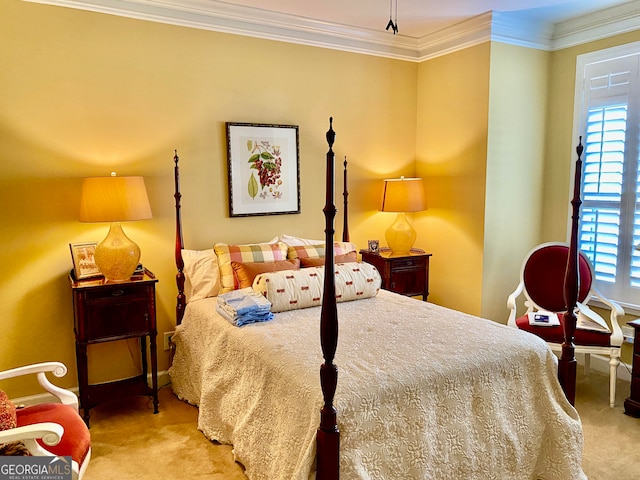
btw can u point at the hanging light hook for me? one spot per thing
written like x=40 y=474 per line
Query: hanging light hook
x=392 y=25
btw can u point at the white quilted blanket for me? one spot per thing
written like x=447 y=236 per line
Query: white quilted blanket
x=423 y=393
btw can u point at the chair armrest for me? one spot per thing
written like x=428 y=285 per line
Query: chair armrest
x=58 y=369
x=616 y=311
x=49 y=432
x=511 y=304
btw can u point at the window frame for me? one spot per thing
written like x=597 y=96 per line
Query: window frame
x=626 y=295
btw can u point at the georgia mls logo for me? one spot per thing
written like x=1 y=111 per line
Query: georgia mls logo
x=35 y=468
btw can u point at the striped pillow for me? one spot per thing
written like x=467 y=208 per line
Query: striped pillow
x=257 y=252
x=318 y=251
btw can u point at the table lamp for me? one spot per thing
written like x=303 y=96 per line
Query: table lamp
x=115 y=199
x=402 y=195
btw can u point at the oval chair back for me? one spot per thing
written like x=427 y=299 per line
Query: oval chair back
x=543 y=277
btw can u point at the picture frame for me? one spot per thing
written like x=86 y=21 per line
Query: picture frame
x=374 y=246
x=83 y=257
x=264 y=169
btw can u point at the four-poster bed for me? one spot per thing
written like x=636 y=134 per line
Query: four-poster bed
x=424 y=391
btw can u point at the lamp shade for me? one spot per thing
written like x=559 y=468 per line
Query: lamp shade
x=114 y=199
x=403 y=195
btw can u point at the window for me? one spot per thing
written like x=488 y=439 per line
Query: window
x=608 y=119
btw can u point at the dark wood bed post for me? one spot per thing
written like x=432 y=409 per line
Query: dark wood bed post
x=345 y=194
x=328 y=435
x=567 y=362
x=181 y=300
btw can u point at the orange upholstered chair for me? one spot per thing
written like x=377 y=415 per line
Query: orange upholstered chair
x=47 y=429
x=542 y=283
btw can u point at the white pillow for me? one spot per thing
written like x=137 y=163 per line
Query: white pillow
x=202 y=276
x=292 y=241
x=292 y=289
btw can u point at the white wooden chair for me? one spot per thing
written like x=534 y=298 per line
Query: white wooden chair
x=50 y=429
x=542 y=283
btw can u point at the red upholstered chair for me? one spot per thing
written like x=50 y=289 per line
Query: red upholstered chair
x=48 y=429
x=542 y=283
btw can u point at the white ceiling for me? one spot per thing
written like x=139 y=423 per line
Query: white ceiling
x=417 y=18
x=427 y=28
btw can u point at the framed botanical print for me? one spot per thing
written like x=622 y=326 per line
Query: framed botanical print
x=264 y=169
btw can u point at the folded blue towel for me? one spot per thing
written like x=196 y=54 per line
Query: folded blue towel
x=244 y=306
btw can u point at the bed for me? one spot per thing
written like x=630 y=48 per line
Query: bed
x=424 y=392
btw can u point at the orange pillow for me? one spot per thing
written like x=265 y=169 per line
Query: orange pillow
x=319 y=262
x=7 y=412
x=245 y=272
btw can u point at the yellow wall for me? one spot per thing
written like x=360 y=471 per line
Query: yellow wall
x=451 y=154
x=515 y=169
x=86 y=93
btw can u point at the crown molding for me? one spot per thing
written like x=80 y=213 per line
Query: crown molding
x=502 y=27
x=465 y=34
x=594 y=26
x=224 y=17
x=496 y=26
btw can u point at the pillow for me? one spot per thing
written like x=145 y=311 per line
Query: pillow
x=202 y=277
x=257 y=252
x=319 y=262
x=245 y=272
x=318 y=251
x=8 y=418
x=297 y=241
x=289 y=290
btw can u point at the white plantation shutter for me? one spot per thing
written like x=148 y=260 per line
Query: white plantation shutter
x=609 y=122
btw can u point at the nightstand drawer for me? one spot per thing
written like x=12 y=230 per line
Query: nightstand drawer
x=406 y=282
x=411 y=264
x=116 y=292
x=126 y=318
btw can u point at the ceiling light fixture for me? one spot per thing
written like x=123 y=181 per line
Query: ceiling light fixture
x=393 y=25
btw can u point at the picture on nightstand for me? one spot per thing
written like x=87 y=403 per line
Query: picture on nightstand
x=374 y=246
x=83 y=257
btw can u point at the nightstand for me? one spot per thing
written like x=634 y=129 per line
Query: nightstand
x=404 y=274
x=105 y=312
x=632 y=404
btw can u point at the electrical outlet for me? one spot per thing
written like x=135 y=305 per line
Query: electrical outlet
x=167 y=340
x=629 y=333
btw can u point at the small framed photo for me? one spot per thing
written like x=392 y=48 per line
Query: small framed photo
x=374 y=246
x=264 y=169
x=84 y=262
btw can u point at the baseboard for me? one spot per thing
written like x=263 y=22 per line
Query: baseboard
x=163 y=381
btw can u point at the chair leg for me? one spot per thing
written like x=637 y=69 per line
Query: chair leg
x=613 y=376
x=587 y=363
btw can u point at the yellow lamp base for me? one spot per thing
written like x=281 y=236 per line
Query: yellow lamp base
x=117 y=255
x=400 y=235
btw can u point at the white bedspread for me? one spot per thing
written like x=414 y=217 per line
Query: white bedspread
x=423 y=392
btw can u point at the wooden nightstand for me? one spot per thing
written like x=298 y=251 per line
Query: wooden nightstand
x=632 y=404
x=104 y=312
x=404 y=274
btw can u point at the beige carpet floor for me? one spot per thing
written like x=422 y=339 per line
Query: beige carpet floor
x=130 y=442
